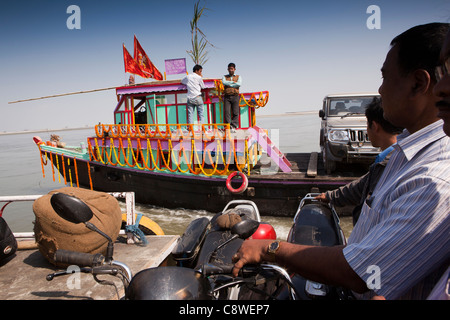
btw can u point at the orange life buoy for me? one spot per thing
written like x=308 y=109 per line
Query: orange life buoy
x=243 y=186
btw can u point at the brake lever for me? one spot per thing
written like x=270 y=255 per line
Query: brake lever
x=105 y=269
x=53 y=275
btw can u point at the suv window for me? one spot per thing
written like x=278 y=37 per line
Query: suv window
x=339 y=107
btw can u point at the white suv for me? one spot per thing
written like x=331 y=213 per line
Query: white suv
x=343 y=131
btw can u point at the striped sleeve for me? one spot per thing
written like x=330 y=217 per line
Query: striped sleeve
x=412 y=235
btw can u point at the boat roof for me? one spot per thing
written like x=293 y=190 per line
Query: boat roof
x=159 y=86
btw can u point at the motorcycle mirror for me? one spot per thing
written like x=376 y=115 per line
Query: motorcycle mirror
x=245 y=228
x=71 y=208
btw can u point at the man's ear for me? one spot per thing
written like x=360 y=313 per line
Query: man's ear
x=375 y=127
x=421 y=82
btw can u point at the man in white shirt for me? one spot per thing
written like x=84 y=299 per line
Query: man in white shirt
x=194 y=84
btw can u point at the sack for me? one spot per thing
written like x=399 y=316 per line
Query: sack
x=8 y=243
x=53 y=232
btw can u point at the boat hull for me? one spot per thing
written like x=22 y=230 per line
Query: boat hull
x=275 y=195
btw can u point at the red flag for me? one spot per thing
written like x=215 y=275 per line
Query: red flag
x=144 y=62
x=131 y=65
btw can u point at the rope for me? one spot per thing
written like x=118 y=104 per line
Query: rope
x=134 y=229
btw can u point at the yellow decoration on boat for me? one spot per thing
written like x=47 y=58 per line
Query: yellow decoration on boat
x=253 y=102
x=166 y=159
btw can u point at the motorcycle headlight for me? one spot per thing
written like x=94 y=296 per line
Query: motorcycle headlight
x=338 y=135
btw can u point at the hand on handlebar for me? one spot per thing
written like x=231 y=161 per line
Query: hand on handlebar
x=251 y=252
x=321 y=197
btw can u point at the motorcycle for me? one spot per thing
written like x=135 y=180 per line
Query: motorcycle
x=315 y=223
x=208 y=275
x=202 y=235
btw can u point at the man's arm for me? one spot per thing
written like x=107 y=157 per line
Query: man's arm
x=322 y=264
x=202 y=84
x=238 y=83
x=231 y=83
x=350 y=194
x=226 y=82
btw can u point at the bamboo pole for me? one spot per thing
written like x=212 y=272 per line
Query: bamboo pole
x=63 y=94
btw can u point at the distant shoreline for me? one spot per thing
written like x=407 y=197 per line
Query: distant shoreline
x=43 y=130
x=287 y=114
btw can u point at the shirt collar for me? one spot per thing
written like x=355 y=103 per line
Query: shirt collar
x=411 y=144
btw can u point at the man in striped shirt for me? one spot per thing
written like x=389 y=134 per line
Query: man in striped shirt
x=400 y=245
x=442 y=90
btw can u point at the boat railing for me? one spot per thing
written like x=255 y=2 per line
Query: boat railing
x=205 y=152
x=163 y=131
x=129 y=198
x=253 y=100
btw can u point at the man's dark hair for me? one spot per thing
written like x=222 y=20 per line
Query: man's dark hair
x=420 y=46
x=197 y=67
x=374 y=112
x=231 y=64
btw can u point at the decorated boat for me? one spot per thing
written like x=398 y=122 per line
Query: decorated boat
x=151 y=150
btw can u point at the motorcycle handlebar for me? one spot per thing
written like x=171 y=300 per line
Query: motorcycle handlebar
x=78 y=258
x=212 y=269
x=250 y=271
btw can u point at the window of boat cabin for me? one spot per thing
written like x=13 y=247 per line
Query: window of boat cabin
x=123 y=114
x=169 y=108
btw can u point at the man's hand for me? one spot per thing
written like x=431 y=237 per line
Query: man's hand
x=311 y=262
x=251 y=252
x=322 y=197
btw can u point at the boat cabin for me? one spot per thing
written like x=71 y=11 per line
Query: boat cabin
x=165 y=102
x=150 y=133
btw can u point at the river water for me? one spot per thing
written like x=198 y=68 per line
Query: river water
x=21 y=173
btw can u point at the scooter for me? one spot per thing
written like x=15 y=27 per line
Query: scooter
x=316 y=223
x=202 y=235
x=210 y=279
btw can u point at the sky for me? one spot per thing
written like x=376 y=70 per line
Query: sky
x=298 y=51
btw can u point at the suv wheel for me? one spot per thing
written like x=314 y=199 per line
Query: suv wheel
x=329 y=165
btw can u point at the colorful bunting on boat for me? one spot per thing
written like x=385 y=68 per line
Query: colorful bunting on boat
x=144 y=62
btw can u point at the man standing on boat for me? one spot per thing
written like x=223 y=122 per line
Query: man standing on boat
x=231 y=84
x=194 y=84
x=400 y=246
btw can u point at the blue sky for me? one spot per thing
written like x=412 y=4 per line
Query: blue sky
x=298 y=51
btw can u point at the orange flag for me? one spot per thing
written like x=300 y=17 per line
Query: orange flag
x=131 y=65
x=144 y=62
